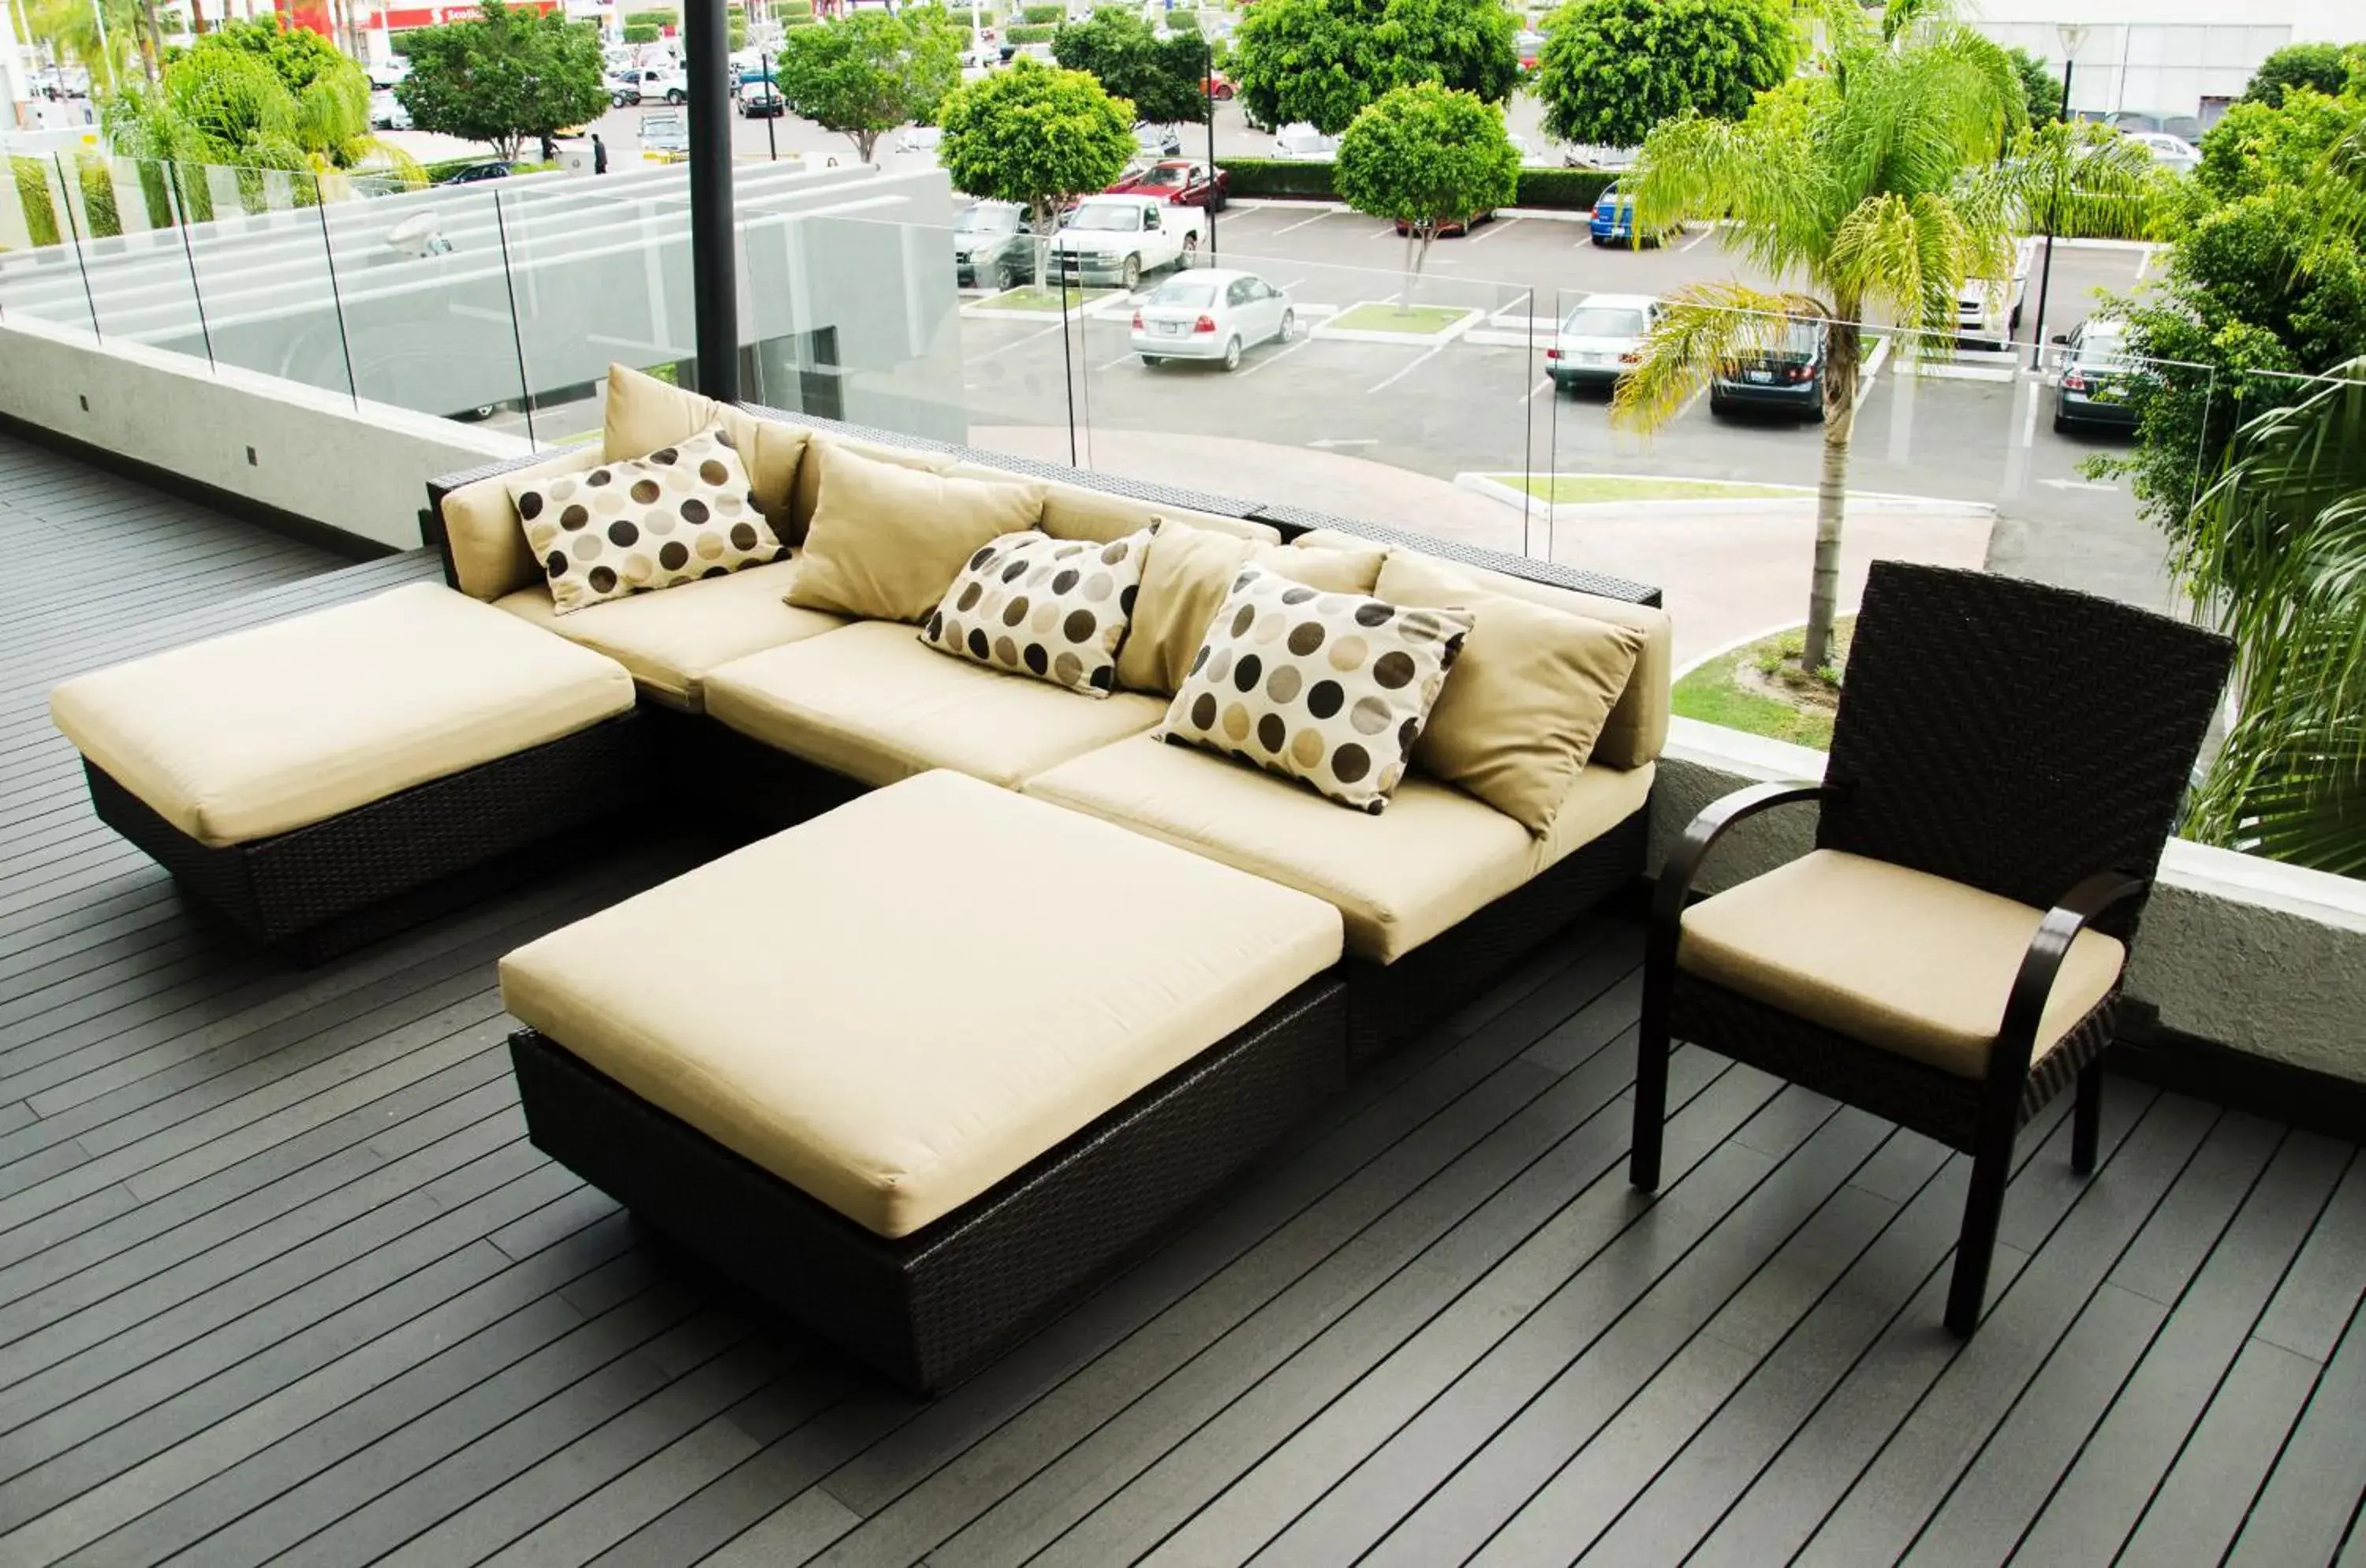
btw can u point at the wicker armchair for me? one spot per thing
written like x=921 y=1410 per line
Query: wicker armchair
x=2002 y=749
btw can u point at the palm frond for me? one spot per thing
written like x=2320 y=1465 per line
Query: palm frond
x=1703 y=327
x=1698 y=169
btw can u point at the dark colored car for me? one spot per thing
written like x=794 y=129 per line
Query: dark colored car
x=1789 y=377
x=475 y=173
x=1452 y=228
x=2096 y=370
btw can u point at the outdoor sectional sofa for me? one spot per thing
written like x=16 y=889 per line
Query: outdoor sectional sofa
x=834 y=1062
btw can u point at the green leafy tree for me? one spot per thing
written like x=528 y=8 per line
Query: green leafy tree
x=2041 y=85
x=116 y=40
x=1879 y=190
x=1425 y=156
x=1035 y=135
x=1321 y=61
x=1613 y=69
x=504 y=77
x=1160 y=76
x=2255 y=147
x=2324 y=68
x=870 y=72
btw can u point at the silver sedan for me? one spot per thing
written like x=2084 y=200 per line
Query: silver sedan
x=1211 y=313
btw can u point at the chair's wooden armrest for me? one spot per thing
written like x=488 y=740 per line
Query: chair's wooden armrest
x=2024 y=1008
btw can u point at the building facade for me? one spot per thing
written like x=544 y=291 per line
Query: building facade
x=2173 y=61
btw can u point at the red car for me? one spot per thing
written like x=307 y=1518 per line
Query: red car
x=1451 y=228
x=1219 y=87
x=1182 y=181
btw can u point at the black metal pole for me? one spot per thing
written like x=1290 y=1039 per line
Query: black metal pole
x=772 y=146
x=1216 y=191
x=2046 y=273
x=714 y=260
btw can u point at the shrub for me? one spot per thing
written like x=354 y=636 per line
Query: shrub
x=1030 y=33
x=783 y=9
x=1042 y=16
x=32 y=181
x=1562 y=189
x=100 y=216
x=662 y=18
x=1278 y=176
x=642 y=32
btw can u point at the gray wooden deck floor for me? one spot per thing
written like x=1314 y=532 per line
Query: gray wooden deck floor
x=281 y=1281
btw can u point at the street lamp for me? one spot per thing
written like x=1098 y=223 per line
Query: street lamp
x=2072 y=35
x=1208 y=88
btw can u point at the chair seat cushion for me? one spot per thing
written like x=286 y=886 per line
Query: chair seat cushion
x=876 y=703
x=896 y=1004
x=1889 y=956
x=1435 y=857
x=671 y=640
x=268 y=729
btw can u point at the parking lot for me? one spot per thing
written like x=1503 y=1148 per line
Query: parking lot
x=1965 y=428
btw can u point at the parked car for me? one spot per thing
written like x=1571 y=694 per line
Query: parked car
x=762 y=100
x=387 y=112
x=1599 y=340
x=1787 y=377
x=1211 y=313
x=644 y=84
x=920 y=139
x=1987 y=310
x=1185 y=182
x=1452 y=228
x=992 y=246
x=475 y=174
x=1304 y=143
x=1117 y=239
x=1529 y=44
x=1613 y=223
x=1219 y=86
x=2172 y=153
x=2096 y=370
x=1157 y=140
x=665 y=138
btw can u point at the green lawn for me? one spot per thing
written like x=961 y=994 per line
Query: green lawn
x=1716 y=692
x=1050 y=301
x=1560 y=488
x=1413 y=320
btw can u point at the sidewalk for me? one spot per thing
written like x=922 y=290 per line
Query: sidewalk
x=1726 y=578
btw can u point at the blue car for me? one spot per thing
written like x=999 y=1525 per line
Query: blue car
x=1614 y=220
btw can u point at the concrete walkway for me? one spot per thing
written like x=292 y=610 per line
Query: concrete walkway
x=1728 y=577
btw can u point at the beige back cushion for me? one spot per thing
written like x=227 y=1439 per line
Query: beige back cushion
x=1079 y=511
x=644 y=414
x=490 y=553
x=806 y=496
x=887 y=540
x=1637 y=728
x=1189 y=574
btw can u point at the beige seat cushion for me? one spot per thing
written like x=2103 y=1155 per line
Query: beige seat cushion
x=490 y=553
x=671 y=640
x=1896 y=958
x=887 y=540
x=876 y=703
x=1435 y=857
x=271 y=728
x=643 y=413
x=1190 y=573
x=1638 y=727
x=940 y=994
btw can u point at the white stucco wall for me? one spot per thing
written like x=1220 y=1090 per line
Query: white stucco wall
x=2249 y=953
x=359 y=467
x=2164 y=56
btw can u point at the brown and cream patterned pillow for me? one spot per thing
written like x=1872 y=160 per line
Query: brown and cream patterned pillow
x=682 y=513
x=1056 y=609
x=1330 y=689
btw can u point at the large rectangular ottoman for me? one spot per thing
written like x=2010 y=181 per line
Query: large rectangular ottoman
x=920 y=1069
x=327 y=778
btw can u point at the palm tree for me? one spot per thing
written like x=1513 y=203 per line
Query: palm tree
x=1875 y=186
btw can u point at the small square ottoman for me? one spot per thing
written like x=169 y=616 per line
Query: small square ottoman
x=921 y=1068
x=314 y=778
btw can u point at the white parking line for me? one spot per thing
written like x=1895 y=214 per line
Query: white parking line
x=1388 y=234
x=1704 y=234
x=1017 y=343
x=1269 y=359
x=1113 y=364
x=1495 y=228
x=1542 y=382
x=1300 y=224
x=1417 y=364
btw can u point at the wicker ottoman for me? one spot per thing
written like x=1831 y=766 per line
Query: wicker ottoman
x=328 y=778
x=922 y=1068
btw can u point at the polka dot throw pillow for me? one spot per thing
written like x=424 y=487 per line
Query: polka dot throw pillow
x=1330 y=689
x=682 y=513
x=1056 y=609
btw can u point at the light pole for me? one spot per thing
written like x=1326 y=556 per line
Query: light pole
x=1207 y=90
x=764 y=64
x=2072 y=34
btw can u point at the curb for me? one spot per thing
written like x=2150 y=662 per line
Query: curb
x=1460 y=328
x=1861 y=504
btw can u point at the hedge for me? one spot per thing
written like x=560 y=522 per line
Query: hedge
x=1042 y=16
x=805 y=21
x=640 y=32
x=32 y=180
x=1028 y=33
x=98 y=180
x=1567 y=189
x=784 y=9
x=658 y=18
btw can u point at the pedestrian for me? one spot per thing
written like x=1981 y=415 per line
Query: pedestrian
x=599 y=154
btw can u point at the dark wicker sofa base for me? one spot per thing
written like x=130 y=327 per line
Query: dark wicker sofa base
x=928 y=1308
x=316 y=891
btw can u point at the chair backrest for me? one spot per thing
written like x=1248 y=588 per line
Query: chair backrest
x=2012 y=735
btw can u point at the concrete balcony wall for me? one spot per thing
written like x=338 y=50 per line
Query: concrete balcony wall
x=2249 y=954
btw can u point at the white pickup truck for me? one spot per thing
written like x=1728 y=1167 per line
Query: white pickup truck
x=1113 y=240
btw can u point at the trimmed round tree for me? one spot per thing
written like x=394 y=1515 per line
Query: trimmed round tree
x=502 y=76
x=1425 y=155
x=1160 y=75
x=1320 y=61
x=1613 y=69
x=870 y=72
x=1035 y=135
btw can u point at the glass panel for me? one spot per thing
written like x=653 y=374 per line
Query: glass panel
x=138 y=266
x=41 y=275
x=262 y=273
